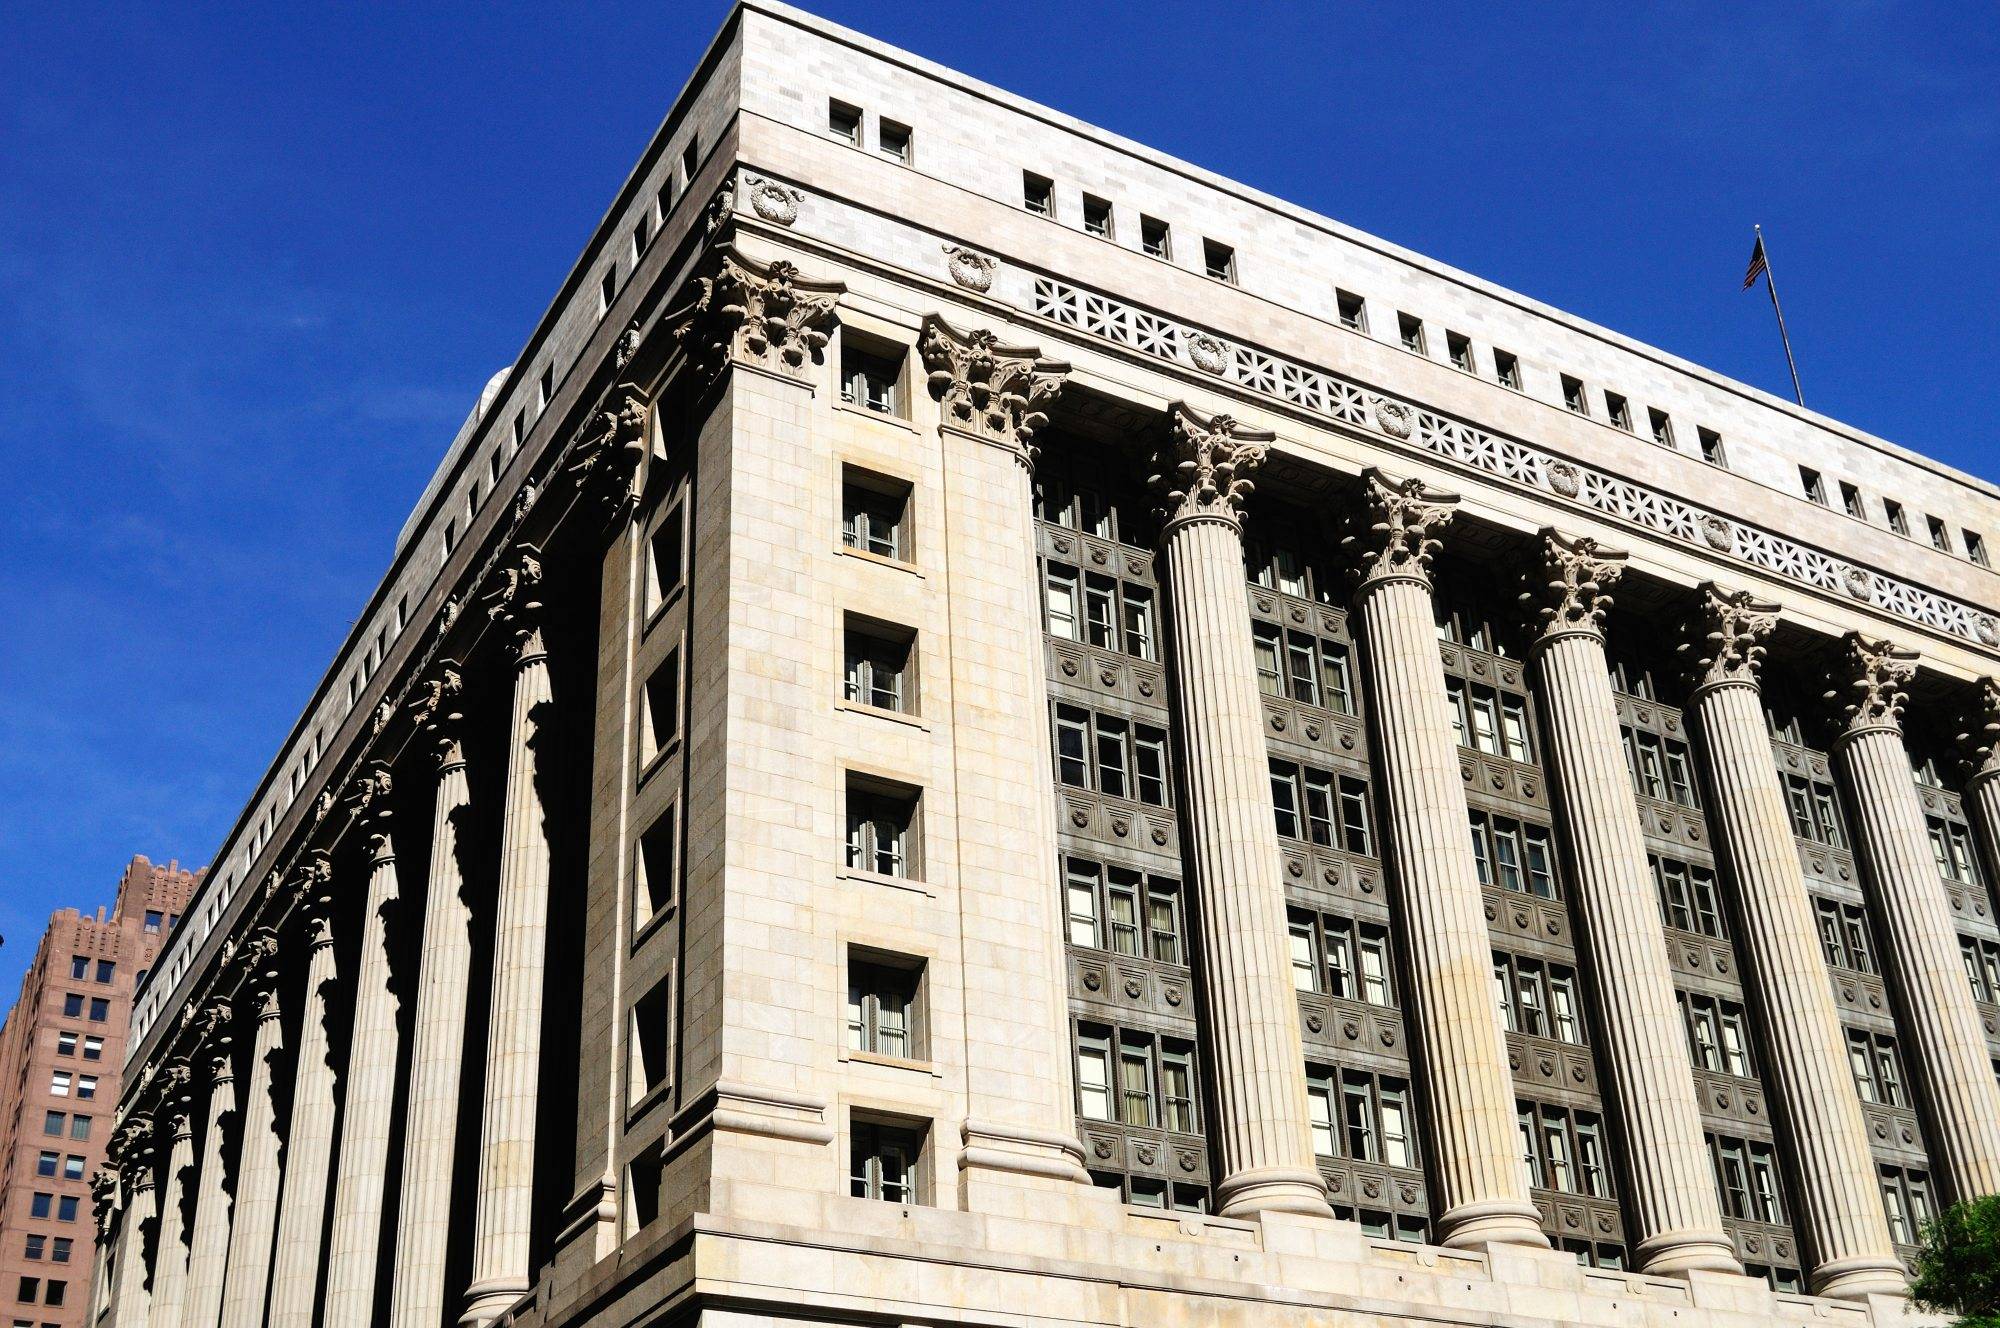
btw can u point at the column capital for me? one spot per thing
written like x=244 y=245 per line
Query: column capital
x=516 y=602
x=433 y=714
x=604 y=459
x=765 y=315
x=1399 y=542
x=995 y=392
x=1202 y=472
x=1877 y=674
x=176 y=1103
x=103 y=1199
x=369 y=793
x=1732 y=646
x=1577 y=592
x=1982 y=740
x=131 y=1150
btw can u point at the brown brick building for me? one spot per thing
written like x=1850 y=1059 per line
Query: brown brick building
x=61 y=1050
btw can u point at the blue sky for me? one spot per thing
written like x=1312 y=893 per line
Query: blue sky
x=256 y=264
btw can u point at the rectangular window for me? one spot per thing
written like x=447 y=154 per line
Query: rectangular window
x=60 y=1082
x=1575 y=401
x=93 y=1047
x=86 y=1086
x=1618 y=411
x=844 y=122
x=79 y=967
x=874 y=513
x=894 y=140
x=46 y=1164
x=1038 y=194
x=666 y=562
x=1940 y=535
x=1899 y=521
x=642 y=234
x=79 y=1126
x=881 y=828
x=882 y=1007
x=883 y=1162
x=649 y=1058
x=607 y=290
x=1219 y=261
x=105 y=968
x=1097 y=217
x=1812 y=485
x=1410 y=329
x=660 y=706
x=1155 y=237
x=1975 y=547
x=1850 y=501
x=656 y=869
x=869 y=380
x=1662 y=426
x=546 y=389
x=1711 y=448
x=73 y=1005
x=1353 y=310
x=1458 y=347
x=152 y=923
x=880 y=660
x=1506 y=369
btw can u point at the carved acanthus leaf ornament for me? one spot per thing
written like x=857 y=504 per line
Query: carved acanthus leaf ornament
x=763 y=314
x=1982 y=743
x=1734 y=626
x=1203 y=471
x=607 y=454
x=993 y=391
x=1878 y=676
x=1580 y=573
x=1400 y=540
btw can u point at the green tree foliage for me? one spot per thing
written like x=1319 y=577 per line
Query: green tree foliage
x=1958 y=1268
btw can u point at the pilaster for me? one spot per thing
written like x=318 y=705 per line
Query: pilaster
x=1483 y=1191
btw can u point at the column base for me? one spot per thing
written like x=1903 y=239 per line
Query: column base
x=1860 y=1277
x=1674 y=1252
x=1272 y=1190
x=1474 y=1226
x=490 y=1298
x=1022 y=1151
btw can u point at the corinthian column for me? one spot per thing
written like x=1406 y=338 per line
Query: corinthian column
x=1843 y=1216
x=1261 y=1130
x=248 y=1266
x=309 y=1139
x=500 y=1271
x=1020 y=1117
x=1950 y=1060
x=1482 y=1186
x=1674 y=1204
x=170 y=1255
x=132 y=1149
x=437 y=1050
x=208 y=1248
x=1982 y=785
x=355 y=1239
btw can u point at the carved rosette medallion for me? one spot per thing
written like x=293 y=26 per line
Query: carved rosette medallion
x=1208 y=354
x=1721 y=536
x=774 y=202
x=1564 y=479
x=995 y=392
x=1394 y=418
x=1732 y=644
x=1858 y=583
x=761 y=314
x=1576 y=593
x=1202 y=473
x=1878 y=677
x=972 y=270
x=1400 y=540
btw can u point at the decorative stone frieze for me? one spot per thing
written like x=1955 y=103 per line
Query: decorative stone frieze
x=1401 y=539
x=1203 y=471
x=1878 y=678
x=993 y=391
x=766 y=315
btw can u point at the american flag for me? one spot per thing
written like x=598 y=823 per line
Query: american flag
x=1758 y=267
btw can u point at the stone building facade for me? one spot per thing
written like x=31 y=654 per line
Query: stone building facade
x=991 y=727
x=62 y=1059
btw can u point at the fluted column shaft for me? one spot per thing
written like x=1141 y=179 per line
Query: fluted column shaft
x=1483 y=1194
x=1843 y=1219
x=437 y=1066
x=170 y=1255
x=354 y=1242
x=1950 y=1062
x=1674 y=1204
x=134 y=1306
x=1251 y=1008
x=500 y=1271
x=208 y=1247
x=308 y=1145
x=1676 y=1211
x=248 y=1273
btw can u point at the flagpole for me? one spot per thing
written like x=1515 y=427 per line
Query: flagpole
x=1771 y=284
